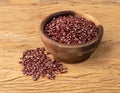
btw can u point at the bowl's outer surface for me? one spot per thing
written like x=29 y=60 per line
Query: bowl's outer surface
x=67 y=53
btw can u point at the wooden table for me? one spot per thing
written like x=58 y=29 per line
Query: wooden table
x=19 y=30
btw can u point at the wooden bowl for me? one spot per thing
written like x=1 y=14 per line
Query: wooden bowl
x=70 y=53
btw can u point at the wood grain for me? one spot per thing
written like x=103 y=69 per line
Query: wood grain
x=19 y=30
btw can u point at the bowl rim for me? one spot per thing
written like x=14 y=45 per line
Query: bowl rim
x=81 y=14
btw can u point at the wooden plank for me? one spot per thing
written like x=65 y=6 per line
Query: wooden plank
x=19 y=30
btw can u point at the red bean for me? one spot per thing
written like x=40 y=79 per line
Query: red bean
x=37 y=64
x=71 y=30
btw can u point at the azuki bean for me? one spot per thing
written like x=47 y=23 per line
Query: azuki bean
x=37 y=64
x=71 y=30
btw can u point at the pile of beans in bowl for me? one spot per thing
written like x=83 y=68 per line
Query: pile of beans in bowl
x=71 y=30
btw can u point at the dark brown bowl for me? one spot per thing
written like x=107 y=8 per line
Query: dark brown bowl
x=70 y=53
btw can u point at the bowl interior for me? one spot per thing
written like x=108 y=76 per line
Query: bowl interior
x=65 y=13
